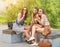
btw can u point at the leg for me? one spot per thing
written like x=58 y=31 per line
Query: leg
x=33 y=31
x=27 y=27
x=33 y=37
x=27 y=33
x=35 y=28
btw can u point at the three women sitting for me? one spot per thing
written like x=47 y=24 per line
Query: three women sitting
x=39 y=24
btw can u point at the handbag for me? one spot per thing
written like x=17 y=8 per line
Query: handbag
x=46 y=31
x=10 y=25
x=45 y=43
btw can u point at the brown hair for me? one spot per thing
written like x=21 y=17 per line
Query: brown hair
x=25 y=13
x=44 y=12
x=33 y=14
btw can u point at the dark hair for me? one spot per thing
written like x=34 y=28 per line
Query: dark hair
x=44 y=12
x=33 y=14
x=25 y=13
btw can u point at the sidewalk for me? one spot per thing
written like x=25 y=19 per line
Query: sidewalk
x=3 y=44
x=24 y=44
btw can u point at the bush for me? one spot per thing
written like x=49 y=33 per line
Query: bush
x=51 y=7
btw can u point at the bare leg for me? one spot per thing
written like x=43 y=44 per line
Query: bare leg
x=34 y=35
x=36 y=38
x=35 y=28
x=27 y=33
x=33 y=31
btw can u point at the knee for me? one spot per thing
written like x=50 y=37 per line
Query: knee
x=25 y=31
x=33 y=26
x=27 y=27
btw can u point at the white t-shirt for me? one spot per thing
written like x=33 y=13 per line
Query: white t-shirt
x=46 y=22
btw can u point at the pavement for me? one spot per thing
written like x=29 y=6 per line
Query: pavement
x=3 y=44
x=21 y=44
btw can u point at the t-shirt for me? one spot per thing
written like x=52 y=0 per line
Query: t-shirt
x=46 y=22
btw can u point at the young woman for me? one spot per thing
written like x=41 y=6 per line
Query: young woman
x=41 y=22
x=22 y=16
x=18 y=25
x=28 y=28
x=35 y=11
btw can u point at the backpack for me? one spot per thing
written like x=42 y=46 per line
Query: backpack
x=10 y=25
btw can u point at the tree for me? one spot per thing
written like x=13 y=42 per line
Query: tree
x=51 y=7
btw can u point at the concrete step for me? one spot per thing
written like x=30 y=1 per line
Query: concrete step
x=55 y=42
x=23 y=44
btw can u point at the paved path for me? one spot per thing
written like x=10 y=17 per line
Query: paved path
x=3 y=44
x=23 y=44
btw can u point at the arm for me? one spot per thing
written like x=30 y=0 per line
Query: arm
x=20 y=18
x=41 y=21
x=32 y=19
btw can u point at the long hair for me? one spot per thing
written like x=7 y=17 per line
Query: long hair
x=33 y=14
x=25 y=13
x=44 y=13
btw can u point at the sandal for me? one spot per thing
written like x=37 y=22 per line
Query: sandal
x=32 y=40
x=29 y=42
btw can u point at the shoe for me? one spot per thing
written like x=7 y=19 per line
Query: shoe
x=31 y=38
x=34 y=44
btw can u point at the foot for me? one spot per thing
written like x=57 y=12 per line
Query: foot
x=31 y=40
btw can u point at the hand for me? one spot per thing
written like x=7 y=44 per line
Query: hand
x=32 y=21
x=35 y=20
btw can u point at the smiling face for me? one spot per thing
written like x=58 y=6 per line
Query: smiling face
x=24 y=10
x=40 y=12
x=35 y=11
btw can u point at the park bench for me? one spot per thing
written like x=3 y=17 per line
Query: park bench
x=11 y=35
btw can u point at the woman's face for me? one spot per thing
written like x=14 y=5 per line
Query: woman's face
x=24 y=10
x=40 y=12
x=35 y=11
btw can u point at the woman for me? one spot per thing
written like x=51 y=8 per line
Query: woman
x=28 y=28
x=41 y=23
x=18 y=25
x=22 y=16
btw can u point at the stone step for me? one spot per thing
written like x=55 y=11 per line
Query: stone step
x=55 y=41
x=23 y=44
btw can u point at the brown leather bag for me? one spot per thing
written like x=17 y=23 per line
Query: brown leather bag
x=45 y=43
x=46 y=31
